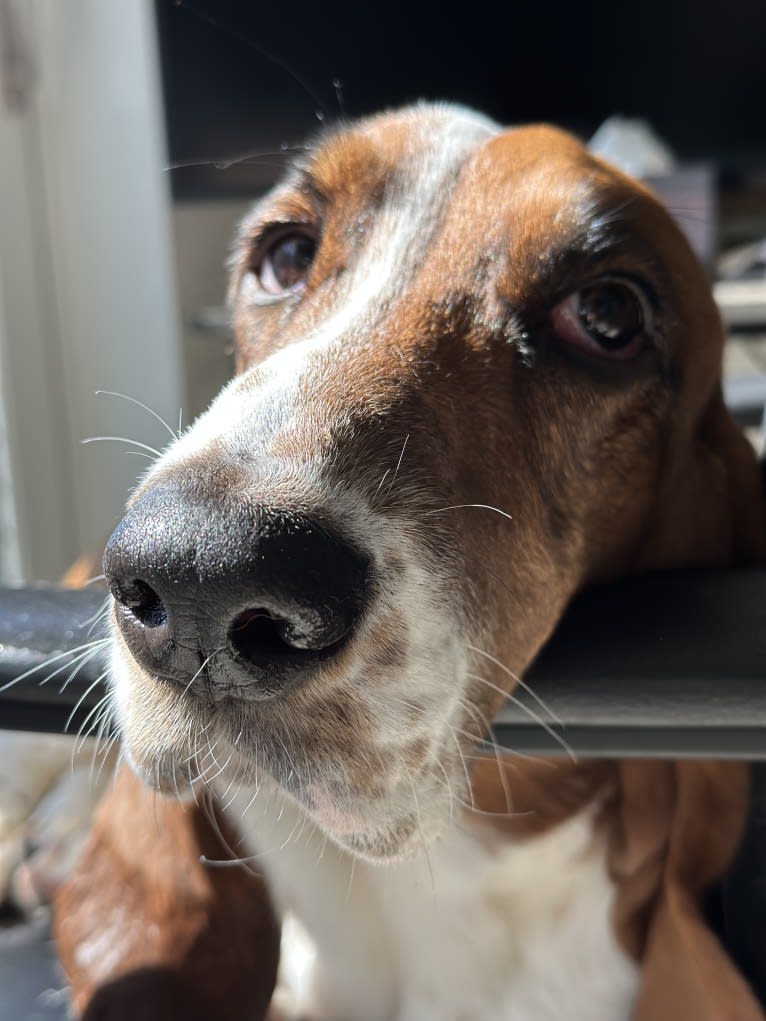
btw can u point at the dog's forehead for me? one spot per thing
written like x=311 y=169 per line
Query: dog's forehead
x=472 y=180
x=401 y=142
x=436 y=207
x=398 y=145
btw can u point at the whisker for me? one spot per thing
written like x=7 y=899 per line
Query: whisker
x=275 y=160
x=245 y=860
x=93 y=712
x=240 y=37
x=481 y=719
x=447 y=783
x=139 y=404
x=251 y=802
x=104 y=719
x=73 y=655
x=220 y=648
x=121 y=439
x=519 y=681
x=110 y=744
x=102 y=612
x=532 y=715
x=351 y=874
x=209 y=809
x=93 y=580
x=322 y=848
x=461 y=755
x=398 y=465
x=84 y=659
x=464 y=506
x=423 y=841
x=380 y=484
x=192 y=758
x=223 y=863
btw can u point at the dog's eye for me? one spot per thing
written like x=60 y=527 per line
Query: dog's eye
x=610 y=318
x=284 y=265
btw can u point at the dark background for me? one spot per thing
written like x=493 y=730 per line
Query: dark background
x=695 y=68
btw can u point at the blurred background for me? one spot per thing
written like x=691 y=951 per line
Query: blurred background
x=134 y=135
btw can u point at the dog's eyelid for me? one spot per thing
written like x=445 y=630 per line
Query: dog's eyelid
x=270 y=231
x=285 y=207
x=584 y=279
x=623 y=254
x=279 y=261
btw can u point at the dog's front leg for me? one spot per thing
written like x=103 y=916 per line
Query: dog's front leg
x=144 y=929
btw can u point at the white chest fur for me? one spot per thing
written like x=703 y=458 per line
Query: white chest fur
x=477 y=933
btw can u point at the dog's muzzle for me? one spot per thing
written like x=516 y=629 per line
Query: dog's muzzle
x=246 y=601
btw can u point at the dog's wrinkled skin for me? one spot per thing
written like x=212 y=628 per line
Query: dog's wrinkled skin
x=417 y=394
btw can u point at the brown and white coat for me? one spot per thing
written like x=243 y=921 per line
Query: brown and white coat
x=416 y=372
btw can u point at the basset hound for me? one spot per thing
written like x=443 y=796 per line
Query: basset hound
x=478 y=370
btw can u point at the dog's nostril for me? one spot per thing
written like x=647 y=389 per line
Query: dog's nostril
x=259 y=636
x=144 y=603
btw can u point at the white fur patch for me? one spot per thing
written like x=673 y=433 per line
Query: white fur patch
x=477 y=932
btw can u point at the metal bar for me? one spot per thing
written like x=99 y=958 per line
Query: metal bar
x=668 y=664
x=664 y=664
x=46 y=640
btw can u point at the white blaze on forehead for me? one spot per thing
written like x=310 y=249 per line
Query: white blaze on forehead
x=442 y=138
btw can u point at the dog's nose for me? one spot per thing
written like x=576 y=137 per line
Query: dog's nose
x=247 y=598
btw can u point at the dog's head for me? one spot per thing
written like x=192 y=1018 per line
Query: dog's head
x=477 y=369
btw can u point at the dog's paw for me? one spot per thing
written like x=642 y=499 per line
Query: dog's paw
x=49 y=788
x=28 y=765
x=55 y=833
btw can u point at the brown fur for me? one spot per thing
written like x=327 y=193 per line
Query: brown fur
x=606 y=470
x=145 y=930
x=672 y=830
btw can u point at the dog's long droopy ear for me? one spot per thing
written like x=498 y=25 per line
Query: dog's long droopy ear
x=680 y=824
x=145 y=930
x=710 y=507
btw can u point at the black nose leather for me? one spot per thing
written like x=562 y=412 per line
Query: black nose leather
x=250 y=597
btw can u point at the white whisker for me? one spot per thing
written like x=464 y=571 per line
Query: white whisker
x=73 y=656
x=465 y=506
x=521 y=683
x=532 y=715
x=92 y=714
x=139 y=404
x=121 y=439
x=398 y=465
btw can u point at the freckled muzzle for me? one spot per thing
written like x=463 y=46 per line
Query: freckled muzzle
x=249 y=599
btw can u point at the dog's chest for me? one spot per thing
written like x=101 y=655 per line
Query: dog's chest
x=478 y=933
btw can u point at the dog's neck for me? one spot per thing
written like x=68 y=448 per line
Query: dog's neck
x=485 y=925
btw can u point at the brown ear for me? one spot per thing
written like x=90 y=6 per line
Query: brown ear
x=145 y=930
x=680 y=824
x=710 y=508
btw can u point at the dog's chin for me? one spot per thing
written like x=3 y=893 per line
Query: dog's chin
x=398 y=839
x=394 y=830
x=399 y=822
x=402 y=842
x=163 y=774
